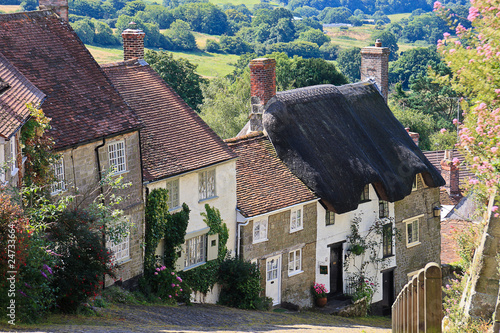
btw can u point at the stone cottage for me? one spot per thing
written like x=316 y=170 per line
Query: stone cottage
x=345 y=145
x=94 y=130
x=179 y=153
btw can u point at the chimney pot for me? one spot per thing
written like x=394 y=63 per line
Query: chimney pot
x=378 y=43
x=262 y=89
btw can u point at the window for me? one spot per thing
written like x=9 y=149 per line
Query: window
x=412 y=232
x=365 y=195
x=116 y=152
x=260 y=231
x=383 y=209
x=296 y=220
x=387 y=239
x=414 y=186
x=59 y=183
x=295 y=262
x=173 y=194
x=196 y=249
x=120 y=250
x=13 y=156
x=330 y=218
x=206 y=186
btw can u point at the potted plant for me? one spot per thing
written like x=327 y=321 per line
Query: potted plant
x=357 y=249
x=319 y=293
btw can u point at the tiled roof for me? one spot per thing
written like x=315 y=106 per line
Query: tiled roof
x=263 y=182
x=18 y=91
x=81 y=101
x=436 y=156
x=175 y=139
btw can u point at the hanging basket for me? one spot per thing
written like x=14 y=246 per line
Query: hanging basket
x=357 y=249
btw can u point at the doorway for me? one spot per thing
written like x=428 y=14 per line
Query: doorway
x=273 y=279
x=336 y=270
x=387 y=292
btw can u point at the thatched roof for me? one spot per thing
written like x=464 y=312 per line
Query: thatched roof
x=338 y=139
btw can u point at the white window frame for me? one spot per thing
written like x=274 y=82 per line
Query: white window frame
x=414 y=185
x=173 y=194
x=415 y=234
x=296 y=220
x=196 y=251
x=117 y=151
x=120 y=250
x=295 y=262
x=260 y=226
x=207 y=184
x=59 y=184
x=13 y=156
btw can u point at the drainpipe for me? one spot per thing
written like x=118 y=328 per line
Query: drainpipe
x=102 y=193
x=241 y=224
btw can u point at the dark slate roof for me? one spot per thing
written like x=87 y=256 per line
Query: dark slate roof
x=174 y=139
x=436 y=156
x=263 y=182
x=81 y=101
x=337 y=139
x=19 y=91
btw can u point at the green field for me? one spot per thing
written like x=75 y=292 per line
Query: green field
x=397 y=17
x=209 y=64
x=9 y=8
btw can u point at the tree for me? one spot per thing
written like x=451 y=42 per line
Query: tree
x=29 y=5
x=299 y=48
x=389 y=40
x=104 y=34
x=411 y=63
x=180 y=37
x=203 y=17
x=133 y=7
x=85 y=30
x=179 y=74
x=335 y=15
x=329 y=51
x=234 y=45
x=349 y=62
x=314 y=36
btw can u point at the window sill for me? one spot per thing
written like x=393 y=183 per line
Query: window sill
x=57 y=192
x=119 y=173
x=123 y=261
x=207 y=199
x=388 y=256
x=175 y=208
x=194 y=266
x=295 y=230
x=259 y=241
x=412 y=244
x=295 y=273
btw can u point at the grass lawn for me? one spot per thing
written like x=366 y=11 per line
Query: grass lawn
x=10 y=8
x=397 y=17
x=209 y=64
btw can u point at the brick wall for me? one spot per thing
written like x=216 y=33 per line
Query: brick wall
x=60 y=7
x=420 y=201
x=133 y=44
x=295 y=289
x=262 y=88
x=450 y=173
x=375 y=64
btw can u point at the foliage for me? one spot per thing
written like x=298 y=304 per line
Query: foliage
x=335 y=15
x=29 y=5
x=85 y=30
x=213 y=46
x=168 y=286
x=467 y=240
x=314 y=36
x=226 y=104
x=179 y=37
x=411 y=63
x=389 y=40
x=156 y=216
x=84 y=260
x=329 y=51
x=240 y=285
x=179 y=74
x=202 y=17
x=443 y=140
x=37 y=148
x=362 y=288
x=174 y=232
x=234 y=45
x=319 y=290
x=297 y=48
x=349 y=62
x=474 y=62
x=426 y=27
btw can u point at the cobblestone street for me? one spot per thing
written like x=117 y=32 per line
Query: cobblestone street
x=204 y=318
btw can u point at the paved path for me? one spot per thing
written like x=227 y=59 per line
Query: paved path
x=206 y=318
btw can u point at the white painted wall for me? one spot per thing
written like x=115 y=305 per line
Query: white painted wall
x=326 y=235
x=225 y=202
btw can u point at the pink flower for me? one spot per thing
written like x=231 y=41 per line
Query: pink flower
x=446 y=35
x=494 y=150
x=494 y=208
x=456 y=161
x=156 y=273
x=443 y=130
x=455 y=121
x=172 y=273
x=437 y=5
x=173 y=285
x=180 y=289
x=179 y=278
x=169 y=296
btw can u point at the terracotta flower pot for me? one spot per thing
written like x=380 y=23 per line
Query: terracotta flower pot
x=321 y=302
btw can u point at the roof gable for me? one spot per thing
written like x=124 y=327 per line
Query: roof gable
x=175 y=139
x=338 y=139
x=263 y=182
x=17 y=92
x=81 y=101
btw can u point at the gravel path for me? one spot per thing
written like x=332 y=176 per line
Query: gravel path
x=205 y=318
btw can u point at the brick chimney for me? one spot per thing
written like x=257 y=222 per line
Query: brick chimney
x=133 y=42
x=375 y=65
x=450 y=172
x=60 y=7
x=413 y=135
x=262 y=89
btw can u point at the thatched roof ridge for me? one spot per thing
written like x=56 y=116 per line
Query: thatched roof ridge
x=338 y=139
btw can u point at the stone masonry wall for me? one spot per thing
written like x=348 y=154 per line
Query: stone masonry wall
x=294 y=289
x=81 y=174
x=408 y=260
x=375 y=64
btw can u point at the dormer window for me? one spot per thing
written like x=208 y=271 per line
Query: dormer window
x=365 y=195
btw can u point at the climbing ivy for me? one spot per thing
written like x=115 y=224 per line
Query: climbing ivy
x=174 y=233
x=156 y=216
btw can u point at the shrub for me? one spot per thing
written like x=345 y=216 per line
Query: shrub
x=213 y=46
x=240 y=285
x=169 y=286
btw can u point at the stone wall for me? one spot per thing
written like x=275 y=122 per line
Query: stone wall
x=410 y=259
x=295 y=289
x=82 y=178
x=375 y=64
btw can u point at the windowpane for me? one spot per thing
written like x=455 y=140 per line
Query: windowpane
x=59 y=183
x=383 y=208
x=173 y=193
x=330 y=217
x=206 y=186
x=259 y=230
x=296 y=220
x=365 y=195
x=412 y=231
x=195 y=250
x=387 y=239
x=116 y=153
x=294 y=261
x=120 y=250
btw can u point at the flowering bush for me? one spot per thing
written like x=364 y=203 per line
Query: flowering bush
x=169 y=286
x=363 y=287
x=319 y=290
